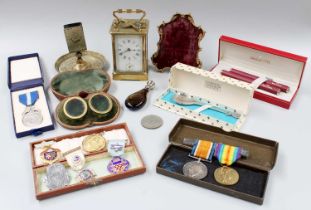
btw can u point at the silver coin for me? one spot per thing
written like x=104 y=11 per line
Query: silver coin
x=195 y=170
x=151 y=121
x=32 y=117
x=57 y=176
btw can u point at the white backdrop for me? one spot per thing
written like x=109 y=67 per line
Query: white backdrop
x=37 y=26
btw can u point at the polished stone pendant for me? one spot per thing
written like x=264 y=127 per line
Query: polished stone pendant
x=138 y=99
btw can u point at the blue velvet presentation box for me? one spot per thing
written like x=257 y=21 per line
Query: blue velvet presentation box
x=25 y=76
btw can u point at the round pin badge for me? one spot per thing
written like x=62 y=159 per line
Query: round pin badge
x=76 y=161
x=86 y=175
x=118 y=165
x=151 y=121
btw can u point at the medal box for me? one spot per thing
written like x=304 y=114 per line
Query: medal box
x=96 y=162
x=206 y=97
x=31 y=113
x=264 y=66
x=253 y=171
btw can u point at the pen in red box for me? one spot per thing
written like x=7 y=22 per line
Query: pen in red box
x=263 y=86
x=284 y=88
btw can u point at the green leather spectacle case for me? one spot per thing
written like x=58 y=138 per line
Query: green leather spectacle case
x=72 y=83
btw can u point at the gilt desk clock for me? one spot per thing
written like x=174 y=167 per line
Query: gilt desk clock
x=129 y=46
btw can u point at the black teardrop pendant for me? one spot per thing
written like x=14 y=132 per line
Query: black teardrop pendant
x=137 y=100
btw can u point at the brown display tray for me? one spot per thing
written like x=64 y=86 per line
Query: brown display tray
x=253 y=171
x=98 y=180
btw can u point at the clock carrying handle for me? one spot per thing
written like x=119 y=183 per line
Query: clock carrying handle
x=129 y=11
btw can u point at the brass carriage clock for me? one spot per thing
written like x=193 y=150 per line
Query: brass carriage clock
x=129 y=46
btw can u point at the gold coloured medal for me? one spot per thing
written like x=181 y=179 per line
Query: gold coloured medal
x=226 y=175
x=94 y=143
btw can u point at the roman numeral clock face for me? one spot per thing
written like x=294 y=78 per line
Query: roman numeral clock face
x=129 y=54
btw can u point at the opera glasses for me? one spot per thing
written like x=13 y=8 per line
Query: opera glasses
x=96 y=109
x=77 y=108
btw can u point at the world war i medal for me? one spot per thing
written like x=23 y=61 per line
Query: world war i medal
x=201 y=150
x=227 y=155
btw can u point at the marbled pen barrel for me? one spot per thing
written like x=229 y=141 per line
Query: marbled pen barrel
x=263 y=86
x=284 y=88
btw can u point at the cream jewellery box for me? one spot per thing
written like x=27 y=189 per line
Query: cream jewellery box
x=31 y=113
x=206 y=97
x=264 y=63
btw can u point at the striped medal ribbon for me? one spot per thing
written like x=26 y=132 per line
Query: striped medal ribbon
x=227 y=154
x=203 y=149
x=29 y=99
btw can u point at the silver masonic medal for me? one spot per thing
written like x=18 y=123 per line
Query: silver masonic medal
x=57 y=176
x=32 y=116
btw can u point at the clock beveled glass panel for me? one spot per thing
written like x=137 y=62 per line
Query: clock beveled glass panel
x=129 y=53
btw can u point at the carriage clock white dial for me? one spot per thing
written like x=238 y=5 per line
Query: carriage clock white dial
x=129 y=53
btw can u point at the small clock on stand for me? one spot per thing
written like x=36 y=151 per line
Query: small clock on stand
x=129 y=46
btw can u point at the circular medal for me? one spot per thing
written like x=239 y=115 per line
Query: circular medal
x=100 y=103
x=86 y=175
x=32 y=117
x=226 y=175
x=151 y=121
x=57 y=176
x=94 y=143
x=75 y=108
x=195 y=170
x=76 y=161
x=50 y=155
x=118 y=165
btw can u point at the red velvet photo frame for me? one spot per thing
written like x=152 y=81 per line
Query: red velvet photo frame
x=179 y=42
